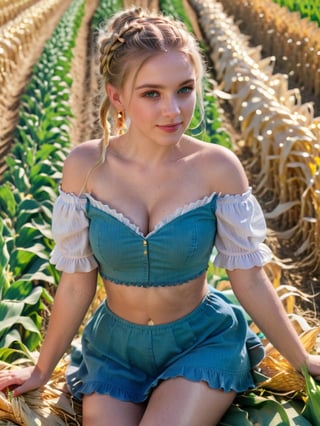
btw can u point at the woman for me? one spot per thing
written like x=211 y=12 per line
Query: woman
x=145 y=207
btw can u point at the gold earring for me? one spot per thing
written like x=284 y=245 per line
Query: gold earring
x=121 y=123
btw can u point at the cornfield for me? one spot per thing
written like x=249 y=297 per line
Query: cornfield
x=262 y=99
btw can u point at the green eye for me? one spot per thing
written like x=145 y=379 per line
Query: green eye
x=186 y=90
x=150 y=94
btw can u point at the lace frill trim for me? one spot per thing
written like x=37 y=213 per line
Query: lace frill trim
x=169 y=218
x=74 y=264
x=227 y=381
x=216 y=379
x=259 y=258
x=154 y=283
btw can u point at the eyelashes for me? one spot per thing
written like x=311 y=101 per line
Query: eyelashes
x=153 y=94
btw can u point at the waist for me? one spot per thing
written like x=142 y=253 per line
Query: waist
x=155 y=305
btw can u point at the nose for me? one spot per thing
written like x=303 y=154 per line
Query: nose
x=171 y=107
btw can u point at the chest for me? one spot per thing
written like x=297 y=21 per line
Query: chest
x=145 y=197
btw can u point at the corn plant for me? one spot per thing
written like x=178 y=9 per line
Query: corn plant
x=104 y=11
x=307 y=8
x=28 y=191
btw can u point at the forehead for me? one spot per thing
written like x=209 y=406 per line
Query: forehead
x=172 y=67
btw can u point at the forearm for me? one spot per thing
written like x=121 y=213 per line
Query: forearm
x=256 y=294
x=72 y=300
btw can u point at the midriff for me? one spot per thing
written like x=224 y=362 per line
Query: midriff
x=155 y=305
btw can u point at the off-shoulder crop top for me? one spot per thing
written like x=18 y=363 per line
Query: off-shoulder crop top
x=89 y=234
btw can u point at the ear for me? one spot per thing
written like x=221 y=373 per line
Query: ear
x=114 y=96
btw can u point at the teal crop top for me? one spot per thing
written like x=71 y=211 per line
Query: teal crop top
x=175 y=253
x=90 y=234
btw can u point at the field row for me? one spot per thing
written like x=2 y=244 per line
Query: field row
x=21 y=41
x=294 y=42
x=307 y=8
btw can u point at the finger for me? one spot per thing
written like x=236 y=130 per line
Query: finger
x=19 y=390
x=23 y=388
x=8 y=382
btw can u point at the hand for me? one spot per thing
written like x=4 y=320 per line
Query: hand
x=313 y=365
x=21 y=380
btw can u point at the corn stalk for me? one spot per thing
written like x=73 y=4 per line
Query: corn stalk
x=11 y=9
x=295 y=42
x=280 y=131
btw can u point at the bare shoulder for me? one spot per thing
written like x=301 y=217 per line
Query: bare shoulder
x=221 y=168
x=78 y=164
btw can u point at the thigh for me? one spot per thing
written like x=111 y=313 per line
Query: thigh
x=180 y=402
x=104 y=410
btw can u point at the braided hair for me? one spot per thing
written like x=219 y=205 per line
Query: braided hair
x=127 y=41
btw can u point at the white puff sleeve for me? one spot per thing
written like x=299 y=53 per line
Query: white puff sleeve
x=72 y=252
x=241 y=230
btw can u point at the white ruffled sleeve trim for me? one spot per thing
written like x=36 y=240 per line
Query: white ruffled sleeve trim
x=241 y=230
x=72 y=252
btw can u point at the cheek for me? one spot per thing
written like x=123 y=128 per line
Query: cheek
x=141 y=112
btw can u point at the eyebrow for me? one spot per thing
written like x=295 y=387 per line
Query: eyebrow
x=160 y=86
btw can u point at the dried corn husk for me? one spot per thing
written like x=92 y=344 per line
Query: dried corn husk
x=282 y=376
x=49 y=406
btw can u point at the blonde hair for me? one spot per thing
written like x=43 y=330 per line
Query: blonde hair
x=128 y=40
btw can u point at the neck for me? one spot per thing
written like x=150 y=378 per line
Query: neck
x=147 y=152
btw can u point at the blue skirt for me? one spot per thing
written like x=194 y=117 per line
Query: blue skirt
x=126 y=360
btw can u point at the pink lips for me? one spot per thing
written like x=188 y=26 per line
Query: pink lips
x=170 y=128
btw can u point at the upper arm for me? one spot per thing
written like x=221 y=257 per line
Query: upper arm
x=84 y=283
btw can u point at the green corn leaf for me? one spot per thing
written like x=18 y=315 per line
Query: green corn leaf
x=44 y=229
x=45 y=167
x=22 y=258
x=24 y=137
x=13 y=350
x=4 y=253
x=16 y=356
x=25 y=254
x=23 y=291
x=235 y=416
x=312 y=406
x=8 y=203
x=23 y=324
x=11 y=337
x=8 y=310
x=26 y=210
x=44 y=193
x=28 y=236
x=24 y=321
x=39 y=270
x=15 y=176
x=251 y=409
x=45 y=152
